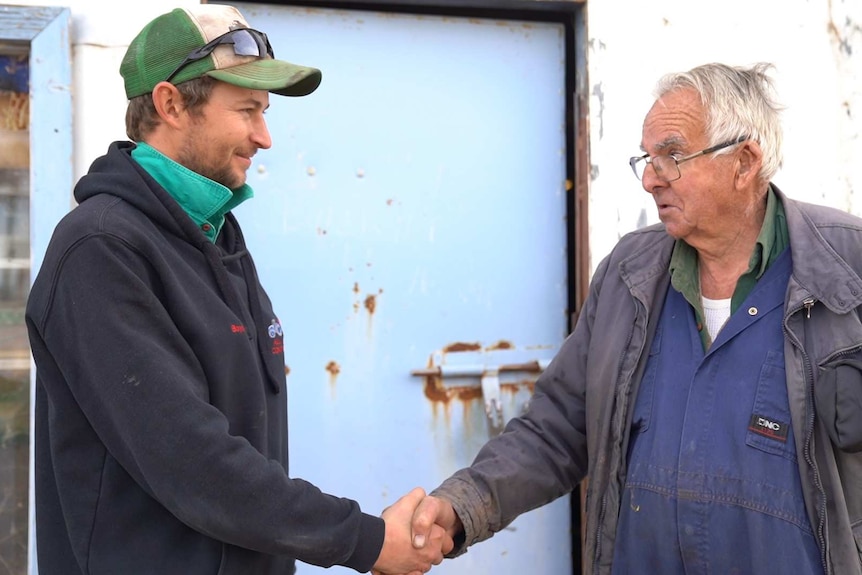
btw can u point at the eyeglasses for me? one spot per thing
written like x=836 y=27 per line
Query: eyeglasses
x=246 y=42
x=667 y=167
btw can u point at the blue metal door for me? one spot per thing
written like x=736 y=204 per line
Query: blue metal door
x=410 y=225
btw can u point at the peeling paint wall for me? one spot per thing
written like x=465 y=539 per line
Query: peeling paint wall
x=816 y=46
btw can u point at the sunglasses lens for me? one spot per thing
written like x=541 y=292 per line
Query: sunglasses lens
x=245 y=41
x=244 y=44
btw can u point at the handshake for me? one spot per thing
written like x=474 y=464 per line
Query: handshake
x=420 y=530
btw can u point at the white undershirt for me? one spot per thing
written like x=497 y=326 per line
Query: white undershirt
x=715 y=312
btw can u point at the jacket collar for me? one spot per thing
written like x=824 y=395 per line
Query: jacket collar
x=649 y=263
x=820 y=269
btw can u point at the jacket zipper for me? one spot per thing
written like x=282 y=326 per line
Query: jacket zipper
x=808 y=303
x=603 y=511
x=842 y=353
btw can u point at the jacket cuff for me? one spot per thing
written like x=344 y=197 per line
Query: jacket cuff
x=372 y=531
x=466 y=500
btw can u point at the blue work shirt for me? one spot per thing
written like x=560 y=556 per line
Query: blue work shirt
x=712 y=483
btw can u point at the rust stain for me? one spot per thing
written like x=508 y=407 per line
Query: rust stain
x=515 y=387
x=371 y=303
x=437 y=392
x=334 y=369
x=467 y=393
x=355 y=287
x=502 y=344
x=459 y=346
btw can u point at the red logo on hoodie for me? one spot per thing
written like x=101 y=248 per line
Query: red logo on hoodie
x=276 y=333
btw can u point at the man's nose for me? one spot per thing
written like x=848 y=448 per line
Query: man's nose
x=261 y=135
x=651 y=180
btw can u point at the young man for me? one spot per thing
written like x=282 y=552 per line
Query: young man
x=712 y=388
x=161 y=418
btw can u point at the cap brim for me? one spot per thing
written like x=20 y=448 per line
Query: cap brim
x=276 y=76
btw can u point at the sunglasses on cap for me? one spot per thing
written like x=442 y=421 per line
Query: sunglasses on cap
x=246 y=42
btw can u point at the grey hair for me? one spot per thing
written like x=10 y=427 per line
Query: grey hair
x=739 y=102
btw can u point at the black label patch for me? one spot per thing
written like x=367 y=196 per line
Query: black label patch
x=767 y=427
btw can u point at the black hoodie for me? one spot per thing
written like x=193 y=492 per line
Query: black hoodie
x=161 y=410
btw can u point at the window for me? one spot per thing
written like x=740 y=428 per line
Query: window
x=14 y=286
x=35 y=192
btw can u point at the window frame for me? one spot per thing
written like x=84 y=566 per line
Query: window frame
x=43 y=33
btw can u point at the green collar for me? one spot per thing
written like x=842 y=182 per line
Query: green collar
x=771 y=241
x=205 y=201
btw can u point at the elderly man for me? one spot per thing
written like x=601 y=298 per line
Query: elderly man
x=712 y=387
x=161 y=419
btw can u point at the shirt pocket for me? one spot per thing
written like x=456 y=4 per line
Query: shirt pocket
x=769 y=427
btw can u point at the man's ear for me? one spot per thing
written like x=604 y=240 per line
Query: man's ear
x=750 y=160
x=169 y=104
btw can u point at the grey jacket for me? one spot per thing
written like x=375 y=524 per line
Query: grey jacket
x=579 y=417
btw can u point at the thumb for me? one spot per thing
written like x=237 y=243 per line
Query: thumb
x=423 y=519
x=414 y=498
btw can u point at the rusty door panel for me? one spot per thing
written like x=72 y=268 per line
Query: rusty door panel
x=409 y=222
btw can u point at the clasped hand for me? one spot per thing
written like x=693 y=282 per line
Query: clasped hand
x=419 y=532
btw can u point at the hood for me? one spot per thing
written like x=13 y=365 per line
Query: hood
x=117 y=174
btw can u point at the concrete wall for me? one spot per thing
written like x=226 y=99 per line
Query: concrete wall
x=816 y=46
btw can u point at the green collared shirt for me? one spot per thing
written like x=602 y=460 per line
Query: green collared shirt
x=205 y=201
x=772 y=240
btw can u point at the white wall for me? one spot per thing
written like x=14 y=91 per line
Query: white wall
x=816 y=46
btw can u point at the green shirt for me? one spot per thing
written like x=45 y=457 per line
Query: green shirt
x=204 y=200
x=772 y=240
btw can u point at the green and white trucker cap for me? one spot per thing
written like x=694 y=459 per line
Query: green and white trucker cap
x=210 y=40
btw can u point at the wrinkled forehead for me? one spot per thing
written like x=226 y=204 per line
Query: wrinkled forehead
x=676 y=119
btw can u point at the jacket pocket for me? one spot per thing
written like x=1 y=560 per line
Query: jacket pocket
x=838 y=401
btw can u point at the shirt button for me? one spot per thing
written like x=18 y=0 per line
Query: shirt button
x=206 y=227
x=752 y=311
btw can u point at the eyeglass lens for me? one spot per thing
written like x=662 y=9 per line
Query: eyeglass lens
x=665 y=167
